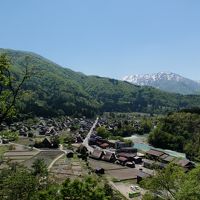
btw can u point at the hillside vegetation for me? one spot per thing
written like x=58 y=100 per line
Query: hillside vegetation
x=60 y=91
x=179 y=131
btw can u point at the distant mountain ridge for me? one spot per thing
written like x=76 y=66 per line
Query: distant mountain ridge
x=60 y=91
x=166 y=81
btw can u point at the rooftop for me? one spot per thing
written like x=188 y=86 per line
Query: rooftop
x=155 y=153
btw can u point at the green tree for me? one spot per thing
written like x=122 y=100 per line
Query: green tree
x=40 y=168
x=149 y=196
x=190 y=187
x=50 y=193
x=10 y=87
x=18 y=184
x=173 y=184
x=178 y=131
x=129 y=142
x=166 y=183
x=103 y=132
x=146 y=125
x=55 y=141
x=90 y=188
x=10 y=135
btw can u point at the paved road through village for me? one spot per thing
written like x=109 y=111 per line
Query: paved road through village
x=85 y=141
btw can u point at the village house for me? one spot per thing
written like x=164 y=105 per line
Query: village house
x=148 y=163
x=122 y=160
x=51 y=131
x=92 y=141
x=130 y=157
x=141 y=155
x=104 y=145
x=137 y=160
x=185 y=164
x=142 y=175
x=163 y=156
x=46 y=143
x=112 y=143
x=119 y=145
x=159 y=165
x=154 y=154
x=97 y=154
x=109 y=156
x=127 y=150
x=167 y=159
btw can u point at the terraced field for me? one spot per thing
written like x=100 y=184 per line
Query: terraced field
x=47 y=155
x=65 y=168
x=18 y=153
x=105 y=165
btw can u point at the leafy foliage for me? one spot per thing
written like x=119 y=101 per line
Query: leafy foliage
x=173 y=184
x=20 y=184
x=103 y=132
x=40 y=168
x=11 y=85
x=17 y=184
x=178 y=131
x=88 y=189
x=128 y=126
x=9 y=135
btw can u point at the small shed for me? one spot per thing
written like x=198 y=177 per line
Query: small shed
x=99 y=171
x=69 y=154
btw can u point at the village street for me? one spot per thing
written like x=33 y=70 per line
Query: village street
x=85 y=141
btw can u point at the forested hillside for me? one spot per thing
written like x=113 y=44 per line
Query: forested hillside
x=55 y=90
x=179 y=131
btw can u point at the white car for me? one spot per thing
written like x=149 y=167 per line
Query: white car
x=137 y=187
x=132 y=187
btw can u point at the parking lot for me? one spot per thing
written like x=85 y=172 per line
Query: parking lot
x=126 y=187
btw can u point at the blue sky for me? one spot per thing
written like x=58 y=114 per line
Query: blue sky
x=109 y=38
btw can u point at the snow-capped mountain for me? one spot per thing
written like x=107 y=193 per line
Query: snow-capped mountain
x=166 y=81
